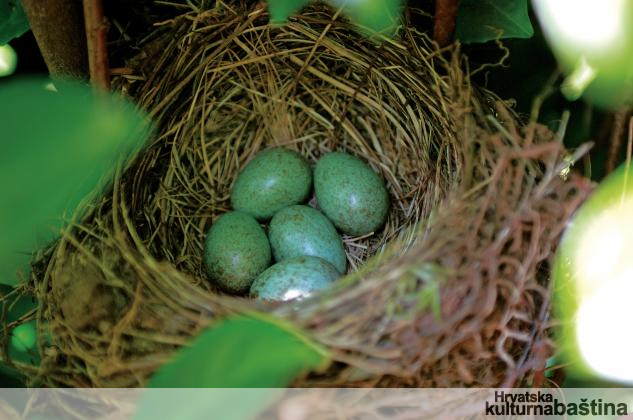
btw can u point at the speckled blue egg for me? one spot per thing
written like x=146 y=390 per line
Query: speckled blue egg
x=301 y=230
x=294 y=278
x=274 y=179
x=236 y=251
x=350 y=193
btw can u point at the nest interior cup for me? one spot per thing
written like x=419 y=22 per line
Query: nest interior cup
x=477 y=208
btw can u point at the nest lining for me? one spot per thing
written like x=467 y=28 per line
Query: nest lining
x=457 y=291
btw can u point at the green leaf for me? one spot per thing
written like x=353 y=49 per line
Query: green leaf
x=24 y=337
x=281 y=10
x=487 y=20
x=592 y=278
x=8 y=60
x=244 y=353
x=238 y=352
x=373 y=16
x=56 y=148
x=15 y=305
x=13 y=22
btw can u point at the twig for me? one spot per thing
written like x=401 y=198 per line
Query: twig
x=96 y=34
x=615 y=142
x=629 y=143
x=543 y=95
x=121 y=71
x=445 y=19
x=627 y=168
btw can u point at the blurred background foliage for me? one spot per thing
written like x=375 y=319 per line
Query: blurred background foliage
x=372 y=16
x=489 y=20
x=60 y=142
x=13 y=22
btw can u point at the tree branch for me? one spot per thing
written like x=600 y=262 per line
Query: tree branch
x=97 y=35
x=445 y=19
x=618 y=132
x=59 y=30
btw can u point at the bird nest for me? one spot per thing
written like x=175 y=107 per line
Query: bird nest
x=454 y=290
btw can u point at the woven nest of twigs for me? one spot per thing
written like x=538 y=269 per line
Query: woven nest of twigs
x=453 y=291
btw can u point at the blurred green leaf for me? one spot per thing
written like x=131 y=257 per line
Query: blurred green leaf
x=374 y=16
x=23 y=344
x=15 y=305
x=238 y=352
x=8 y=60
x=487 y=20
x=24 y=337
x=55 y=149
x=280 y=10
x=592 y=269
x=242 y=352
x=13 y=22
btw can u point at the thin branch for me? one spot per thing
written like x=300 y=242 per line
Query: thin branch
x=617 y=136
x=97 y=36
x=629 y=150
x=445 y=19
x=629 y=143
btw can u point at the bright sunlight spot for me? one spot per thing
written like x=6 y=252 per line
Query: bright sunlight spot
x=8 y=60
x=603 y=329
x=589 y=24
x=605 y=275
x=600 y=252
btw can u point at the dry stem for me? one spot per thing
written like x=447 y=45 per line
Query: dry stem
x=97 y=35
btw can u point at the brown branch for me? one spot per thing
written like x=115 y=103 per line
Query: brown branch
x=59 y=31
x=97 y=35
x=445 y=19
x=629 y=143
x=618 y=133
